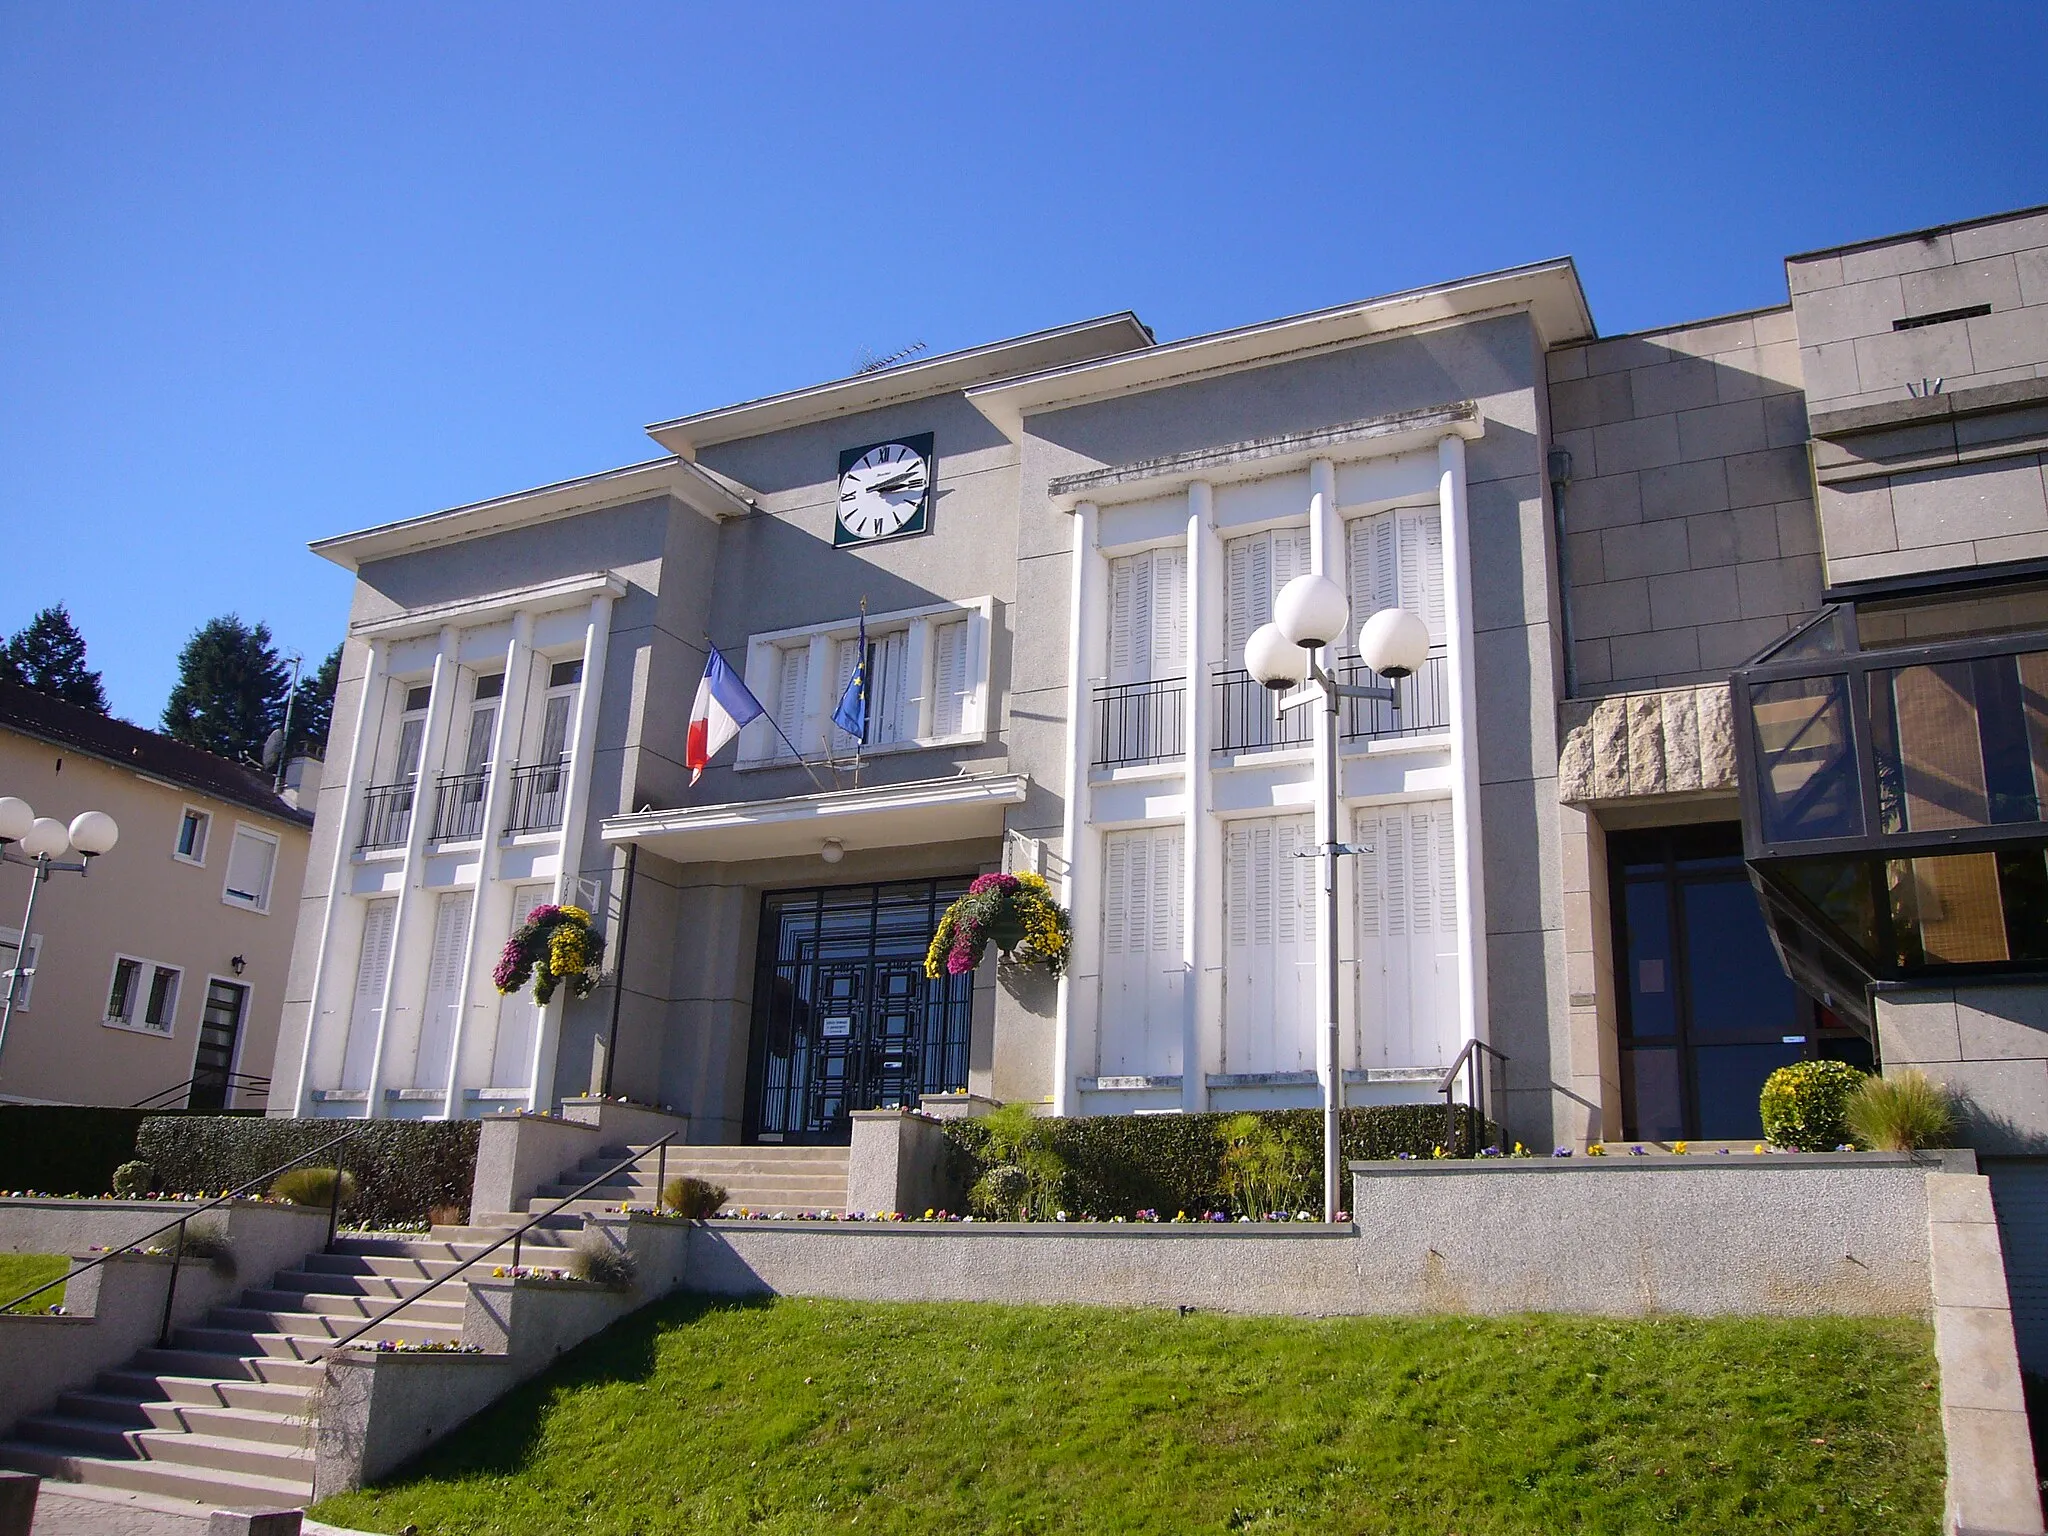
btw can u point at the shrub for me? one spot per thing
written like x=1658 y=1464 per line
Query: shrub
x=1264 y=1167
x=132 y=1179
x=313 y=1186
x=1804 y=1104
x=1900 y=1112
x=1026 y=1142
x=688 y=1195
x=65 y=1149
x=1000 y=1194
x=601 y=1262
x=402 y=1168
x=447 y=1215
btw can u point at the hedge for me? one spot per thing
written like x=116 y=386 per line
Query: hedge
x=1119 y=1165
x=65 y=1149
x=403 y=1168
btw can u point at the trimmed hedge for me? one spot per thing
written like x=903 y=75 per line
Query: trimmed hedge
x=65 y=1149
x=1118 y=1165
x=402 y=1168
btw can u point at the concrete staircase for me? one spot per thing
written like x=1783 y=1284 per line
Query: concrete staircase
x=788 y=1179
x=220 y=1415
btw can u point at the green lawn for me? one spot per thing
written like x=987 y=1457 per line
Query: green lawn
x=25 y=1271
x=804 y=1416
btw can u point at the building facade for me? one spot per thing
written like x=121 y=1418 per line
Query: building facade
x=159 y=976
x=1057 y=546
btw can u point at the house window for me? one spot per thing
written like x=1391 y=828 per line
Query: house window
x=951 y=686
x=11 y=956
x=1396 y=560
x=412 y=732
x=143 y=996
x=888 y=692
x=1254 y=569
x=792 y=696
x=192 y=827
x=252 y=861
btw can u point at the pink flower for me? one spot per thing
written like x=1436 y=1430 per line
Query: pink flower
x=984 y=883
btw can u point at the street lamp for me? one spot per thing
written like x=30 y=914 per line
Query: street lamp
x=40 y=842
x=1309 y=616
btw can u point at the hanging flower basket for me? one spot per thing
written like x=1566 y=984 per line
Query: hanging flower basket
x=1016 y=913
x=553 y=946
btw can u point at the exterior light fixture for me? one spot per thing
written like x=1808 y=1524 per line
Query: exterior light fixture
x=41 y=842
x=1393 y=642
x=238 y=965
x=832 y=851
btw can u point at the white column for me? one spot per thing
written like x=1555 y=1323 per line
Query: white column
x=1325 y=528
x=369 y=708
x=1457 y=535
x=917 y=665
x=1077 y=837
x=413 y=873
x=1199 y=874
x=589 y=694
x=504 y=734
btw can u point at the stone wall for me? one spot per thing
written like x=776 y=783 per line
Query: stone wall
x=1658 y=742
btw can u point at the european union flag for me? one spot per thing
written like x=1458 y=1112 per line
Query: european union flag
x=852 y=714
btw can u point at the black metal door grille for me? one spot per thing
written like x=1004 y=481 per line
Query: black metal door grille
x=844 y=1016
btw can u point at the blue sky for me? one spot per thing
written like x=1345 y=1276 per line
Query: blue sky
x=271 y=272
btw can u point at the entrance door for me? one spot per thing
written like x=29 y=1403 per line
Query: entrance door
x=220 y=1028
x=1707 y=1012
x=844 y=1016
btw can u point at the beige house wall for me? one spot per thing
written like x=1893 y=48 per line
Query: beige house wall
x=142 y=901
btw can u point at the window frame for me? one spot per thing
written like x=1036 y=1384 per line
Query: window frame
x=232 y=898
x=135 y=1022
x=196 y=860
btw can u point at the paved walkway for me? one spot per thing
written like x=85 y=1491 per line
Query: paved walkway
x=63 y=1510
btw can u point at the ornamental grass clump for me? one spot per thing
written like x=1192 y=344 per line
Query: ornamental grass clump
x=1805 y=1105
x=689 y=1196
x=556 y=944
x=1901 y=1112
x=313 y=1186
x=1264 y=1166
x=602 y=1263
x=1016 y=913
x=1028 y=1177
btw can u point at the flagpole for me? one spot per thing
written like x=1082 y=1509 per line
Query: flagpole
x=861 y=661
x=769 y=715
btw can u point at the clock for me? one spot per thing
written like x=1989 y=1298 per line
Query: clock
x=885 y=491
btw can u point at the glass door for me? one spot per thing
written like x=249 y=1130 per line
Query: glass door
x=220 y=1028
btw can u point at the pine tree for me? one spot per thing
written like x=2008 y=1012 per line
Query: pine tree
x=230 y=692
x=313 y=708
x=48 y=655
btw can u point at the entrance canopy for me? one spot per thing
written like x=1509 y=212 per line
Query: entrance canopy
x=880 y=816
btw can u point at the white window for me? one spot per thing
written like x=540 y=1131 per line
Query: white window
x=1269 y=985
x=11 y=956
x=412 y=733
x=888 y=691
x=1143 y=924
x=444 y=989
x=1148 y=616
x=1407 y=895
x=143 y=995
x=1255 y=568
x=952 y=688
x=373 y=968
x=791 y=702
x=252 y=863
x=1396 y=559
x=192 y=829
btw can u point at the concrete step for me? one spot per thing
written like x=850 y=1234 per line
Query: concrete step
x=204 y=1392
x=235 y=1457
x=391 y=1265
x=195 y=1484
x=552 y=1232
x=322 y=1325
x=193 y=1418
x=417 y=1248
x=369 y=1287
x=834 y=1206
x=293 y=1346
x=208 y=1365
x=644 y=1186
x=445 y=1305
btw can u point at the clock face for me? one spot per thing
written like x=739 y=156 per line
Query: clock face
x=885 y=490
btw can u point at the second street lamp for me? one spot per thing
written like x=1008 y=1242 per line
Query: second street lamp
x=41 y=842
x=1289 y=656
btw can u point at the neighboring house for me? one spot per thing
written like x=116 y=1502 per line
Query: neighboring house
x=158 y=974
x=1062 y=542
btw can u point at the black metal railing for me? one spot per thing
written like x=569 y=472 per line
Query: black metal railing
x=1471 y=1065
x=1140 y=722
x=538 y=793
x=1249 y=717
x=459 y=806
x=225 y=1083
x=514 y=1237
x=1422 y=700
x=387 y=815
x=178 y=1249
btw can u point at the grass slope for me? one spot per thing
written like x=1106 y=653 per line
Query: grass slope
x=25 y=1271
x=807 y=1416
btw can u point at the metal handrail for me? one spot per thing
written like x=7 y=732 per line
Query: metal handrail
x=538 y=791
x=387 y=814
x=459 y=805
x=178 y=1256
x=1470 y=1061
x=513 y=1237
x=1139 y=722
x=240 y=1082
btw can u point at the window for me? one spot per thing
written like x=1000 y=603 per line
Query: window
x=887 y=692
x=143 y=996
x=412 y=732
x=11 y=956
x=951 y=687
x=1396 y=560
x=1255 y=568
x=1148 y=616
x=792 y=696
x=252 y=861
x=565 y=674
x=192 y=827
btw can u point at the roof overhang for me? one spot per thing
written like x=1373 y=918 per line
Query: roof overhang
x=712 y=495
x=1548 y=292
x=1107 y=335
x=884 y=816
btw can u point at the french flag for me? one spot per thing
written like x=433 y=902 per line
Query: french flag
x=723 y=706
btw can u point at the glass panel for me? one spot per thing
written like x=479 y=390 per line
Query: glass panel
x=1930 y=762
x=554 y=729
x=1929 y=620
x=1737 y=987
x=1803 y=745
x=482 y=722
x=409 y=736
x=1652 y=972
x=1730 y=1080
x=1817 y=638
x=1947 y=909
x=1651 y=1107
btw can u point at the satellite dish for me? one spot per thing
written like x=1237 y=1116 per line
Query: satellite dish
x=273 y=748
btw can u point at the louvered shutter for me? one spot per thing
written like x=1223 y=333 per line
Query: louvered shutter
x=1407 y=909
x=518 y=1018
x=792 y=694
x=844 y=656
x=444 y=989
x=886 y=688
x=1148 y=616
x=373 y=966
x=1270 y=938
x=1142 y=932
x=1169 y=639
x=949 y=678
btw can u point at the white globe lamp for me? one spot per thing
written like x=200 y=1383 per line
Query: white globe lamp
x=1272 y=658
x=94 y=833
x=46 y=839
x=1393 y=642
x=1311 y=611
x=16 y=817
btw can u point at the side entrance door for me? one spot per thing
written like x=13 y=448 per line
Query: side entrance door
x=220 y=1030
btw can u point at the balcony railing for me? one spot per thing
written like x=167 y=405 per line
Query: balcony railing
x=1249 y=717
x=387 y=815
x=459 y=806
x=538 y=793
x=1140 y=722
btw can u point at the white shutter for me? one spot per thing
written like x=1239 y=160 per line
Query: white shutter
x=792 y=695
x=845 y=656
x=1169 y=639
x=1270 y=942
x=252 y=858
x=1407 y=930
x=373 y=966
x=444 y=989
x=518 y=1018
x=1148 y=616
x=1252 y=564
x=949 y=678
x=1397 y=558
x=886 y=690
x=1143 y=926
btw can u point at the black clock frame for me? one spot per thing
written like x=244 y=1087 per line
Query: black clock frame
x=920 y=521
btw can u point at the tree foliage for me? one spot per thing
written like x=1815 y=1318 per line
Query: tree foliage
x=230 y=692
x=313 y=708
x=48 y=655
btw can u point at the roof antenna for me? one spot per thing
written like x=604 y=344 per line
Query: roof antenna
x=867 y=362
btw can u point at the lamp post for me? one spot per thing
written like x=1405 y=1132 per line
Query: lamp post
x=1309 y=616
x=40 y=842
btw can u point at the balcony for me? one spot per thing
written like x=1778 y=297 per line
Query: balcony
x=1140 y=722
x=1249 y=718
x=459 y=806
x=387 y=816
x=539 y=791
